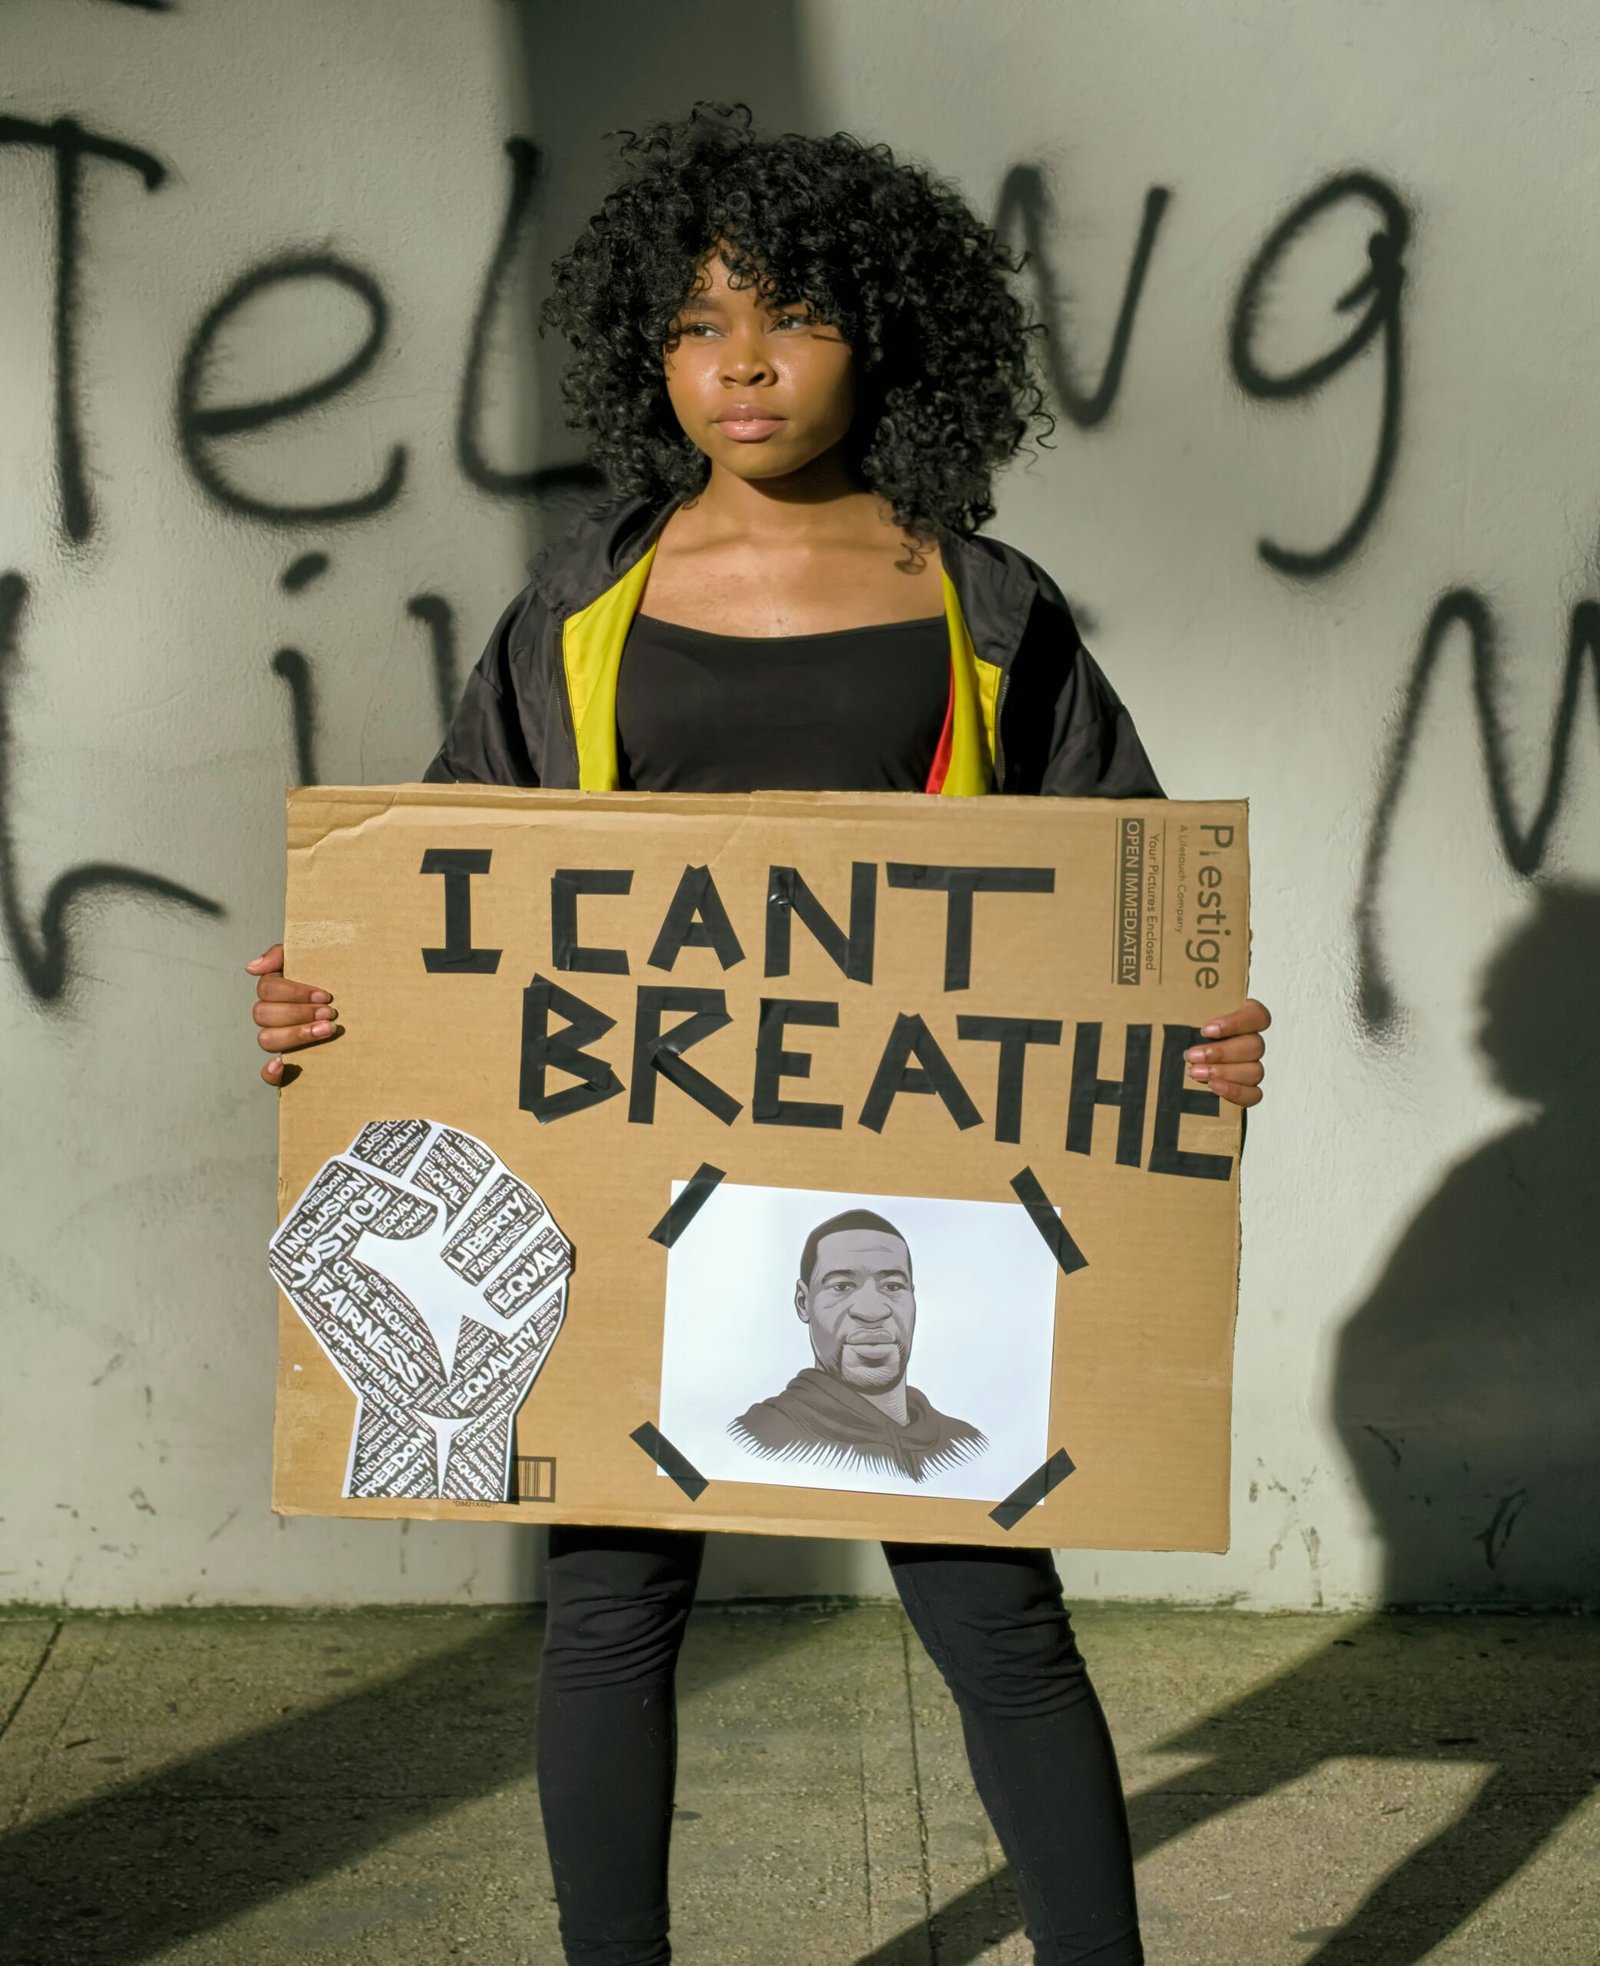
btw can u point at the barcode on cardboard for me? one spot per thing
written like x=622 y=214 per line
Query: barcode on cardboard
x=535 y=1478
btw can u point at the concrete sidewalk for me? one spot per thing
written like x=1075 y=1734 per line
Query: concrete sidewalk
x=358 y=1788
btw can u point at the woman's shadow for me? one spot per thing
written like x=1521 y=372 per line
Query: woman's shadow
x=1466 y=1394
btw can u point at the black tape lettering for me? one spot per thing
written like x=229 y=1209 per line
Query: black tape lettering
x=774 y=1064
x=1173 y=1100
x=564 y=1052
x=696 y=919
x=566 y=884
x=1013 y=1035
x=932 y=1072
x=1030 y=1493
x=960 y=884
x=667 y=1458
x=789 y=898
x=1129 y=1093
x=1025 y=1186
x=458 y=865
x=691 y=1198
x=657 y=1051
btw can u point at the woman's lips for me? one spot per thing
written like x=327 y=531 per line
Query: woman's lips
x=748 y=429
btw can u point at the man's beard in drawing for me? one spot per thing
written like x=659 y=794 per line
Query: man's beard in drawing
x=870 y=1360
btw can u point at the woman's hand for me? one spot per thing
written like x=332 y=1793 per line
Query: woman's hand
x=1232 y=1066
x=288 y=1015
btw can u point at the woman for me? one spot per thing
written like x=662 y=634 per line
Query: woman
x=799 y=365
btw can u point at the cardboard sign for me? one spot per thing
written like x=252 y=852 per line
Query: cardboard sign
x=802 y=1163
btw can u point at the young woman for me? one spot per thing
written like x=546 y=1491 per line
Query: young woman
x=799 y=365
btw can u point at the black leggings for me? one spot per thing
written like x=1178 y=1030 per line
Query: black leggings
x=993 y=1623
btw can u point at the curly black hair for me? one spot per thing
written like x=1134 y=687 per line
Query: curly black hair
x=884 y=251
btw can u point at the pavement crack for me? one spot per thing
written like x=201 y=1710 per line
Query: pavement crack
x=925 y=1873
x=866 y=1815
x=33 y=1678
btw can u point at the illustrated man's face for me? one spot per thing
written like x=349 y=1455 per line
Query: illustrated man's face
x=860 y=1308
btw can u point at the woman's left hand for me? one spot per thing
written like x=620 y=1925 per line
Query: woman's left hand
x=1229 y=1064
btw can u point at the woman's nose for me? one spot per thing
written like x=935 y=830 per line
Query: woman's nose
x=746 y=362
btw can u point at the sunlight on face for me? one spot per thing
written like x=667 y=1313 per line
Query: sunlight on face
x=789 y=373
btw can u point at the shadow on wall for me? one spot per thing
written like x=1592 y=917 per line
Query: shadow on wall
x=572 y=85
x=571 y=88
x=1468 y=1383
x=1465 y=1395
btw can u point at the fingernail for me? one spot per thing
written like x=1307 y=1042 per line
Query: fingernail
x=1211 y=1030
x=321 y=996
x=322 y=1030
x=1199 y=1071
x=1195 y=1052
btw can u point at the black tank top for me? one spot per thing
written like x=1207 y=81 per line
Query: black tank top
x=854 y=710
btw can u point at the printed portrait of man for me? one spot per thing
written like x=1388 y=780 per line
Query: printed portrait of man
x=856 y=1296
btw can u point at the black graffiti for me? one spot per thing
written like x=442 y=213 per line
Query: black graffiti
x=538 y=479
x=202 y=424
x=293 y=667
x=1524 y=846
x=1025 y=202
x=42 y=954
x=70 y=143
x=1378 y=293
x=295 y=671
x=433 y=611
x=301 y=571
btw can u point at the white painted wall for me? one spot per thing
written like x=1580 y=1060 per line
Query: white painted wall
x=147 y=727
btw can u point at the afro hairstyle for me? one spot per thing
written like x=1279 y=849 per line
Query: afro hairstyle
x=884 y=251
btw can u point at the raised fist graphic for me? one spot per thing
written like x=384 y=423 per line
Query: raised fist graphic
x=436 y=1282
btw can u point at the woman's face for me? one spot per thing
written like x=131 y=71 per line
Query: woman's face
x=762 y=388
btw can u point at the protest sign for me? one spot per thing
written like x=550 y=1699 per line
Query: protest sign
x=802 y=1163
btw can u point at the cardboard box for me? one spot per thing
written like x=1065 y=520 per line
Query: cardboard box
x=804 y=1163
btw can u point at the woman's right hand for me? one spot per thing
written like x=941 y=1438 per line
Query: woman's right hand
x=288 y=1015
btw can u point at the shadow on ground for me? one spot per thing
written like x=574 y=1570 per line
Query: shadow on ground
x=148 y=1864
x=1465 y=1396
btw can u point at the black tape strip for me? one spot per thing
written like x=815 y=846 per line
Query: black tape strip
x=1030 y=1493
x=672 y=1463
x=657 y=1051
x=696 y=1192
x=961 y=884
x=774 y=1064
x=1013 y=1035
x=566 y=884
x=1025 y=1186
x=458 y=865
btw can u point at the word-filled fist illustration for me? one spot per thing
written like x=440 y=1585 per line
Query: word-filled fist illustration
x=435 y=1281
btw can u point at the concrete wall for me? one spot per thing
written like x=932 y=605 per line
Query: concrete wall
x=1286 y=577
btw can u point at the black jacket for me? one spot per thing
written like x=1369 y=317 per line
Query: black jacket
x=1030 y=711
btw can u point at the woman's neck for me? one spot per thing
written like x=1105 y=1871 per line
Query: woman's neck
x=825 y=500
